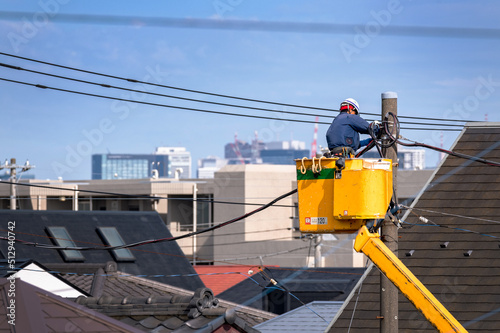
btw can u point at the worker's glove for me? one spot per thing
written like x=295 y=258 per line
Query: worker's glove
x=376 y=128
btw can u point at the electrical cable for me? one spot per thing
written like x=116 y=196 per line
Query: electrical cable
x=448 y=227
x=136 y=196
x=191 y=99
x=449 y=214
x=357 y=298
x=279 y=286
x=153 y=241
x=209 y=93
x=164 y=95
x=167 y=86
x=122 y=274
x=185 y=108
x=433 y=224
x=158 y=104
x=265 y=255
x=395 y=137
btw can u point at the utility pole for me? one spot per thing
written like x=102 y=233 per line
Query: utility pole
x=388 y=292
x=13 y=178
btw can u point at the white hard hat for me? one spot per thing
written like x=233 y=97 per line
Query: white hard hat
x=352 y=102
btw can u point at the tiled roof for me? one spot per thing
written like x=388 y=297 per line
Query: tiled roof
x=37 y=310
x=220 y=277
x=198 y=312
x=462 y=195
x=111 y=284
x=162 y=259
x=312 y=318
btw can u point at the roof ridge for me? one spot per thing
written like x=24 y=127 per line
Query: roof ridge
x=222 y=302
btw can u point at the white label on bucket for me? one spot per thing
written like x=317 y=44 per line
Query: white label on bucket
x=316 y=220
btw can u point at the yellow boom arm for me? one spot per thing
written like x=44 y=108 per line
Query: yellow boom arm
x=394 y=269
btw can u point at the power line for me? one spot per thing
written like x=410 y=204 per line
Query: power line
x=433 y=224
x=135 y=196
x=167 y=86
x=451 y=228
x=185 y=108
x=246 y=242
x=192 y=99
x=153 y=241
x=449 y=214
x=396 y=138
x=158 y=104
x=208 y=93
x=103 y=85
x=265 y=255
x=243 y=233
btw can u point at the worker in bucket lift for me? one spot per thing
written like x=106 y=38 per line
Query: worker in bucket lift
x=343 y=135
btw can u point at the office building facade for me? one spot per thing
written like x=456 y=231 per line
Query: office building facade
x=165 y=162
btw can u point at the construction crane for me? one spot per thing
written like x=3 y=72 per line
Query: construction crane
x=236 y=149
x=345 y=195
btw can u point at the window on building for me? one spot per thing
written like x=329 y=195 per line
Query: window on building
x=61 y=237
x=112 y=237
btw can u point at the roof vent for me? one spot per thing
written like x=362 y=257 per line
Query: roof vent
x=468 y=253
x=444 y=245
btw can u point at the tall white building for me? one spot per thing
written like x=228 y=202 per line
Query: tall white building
x=179 y=161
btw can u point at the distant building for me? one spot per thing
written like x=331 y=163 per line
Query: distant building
x=179 y=161
x=283 y=152
x=209 y=165
x=163 y=163
x=409 y=159
x=258 y=152
x=241 y=152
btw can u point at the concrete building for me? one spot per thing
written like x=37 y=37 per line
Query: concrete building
x=165 y=162
x=269 y=236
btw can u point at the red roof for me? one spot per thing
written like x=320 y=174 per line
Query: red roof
x=222 y=277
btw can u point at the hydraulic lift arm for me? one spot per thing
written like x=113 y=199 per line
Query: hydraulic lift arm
x=394 y=269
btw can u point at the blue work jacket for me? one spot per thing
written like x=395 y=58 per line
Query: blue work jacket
x=344 y=131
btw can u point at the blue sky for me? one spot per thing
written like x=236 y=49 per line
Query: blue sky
x=449 y=77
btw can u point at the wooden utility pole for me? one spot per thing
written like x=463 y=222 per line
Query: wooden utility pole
x=388 y=292
x=12 y=166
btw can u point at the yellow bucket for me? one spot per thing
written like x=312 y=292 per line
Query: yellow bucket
x=336 y=201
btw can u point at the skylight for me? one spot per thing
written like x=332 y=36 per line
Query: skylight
x=62 y=238
x=112 y=238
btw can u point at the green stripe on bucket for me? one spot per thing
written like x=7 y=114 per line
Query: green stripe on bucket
x=309 y=175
